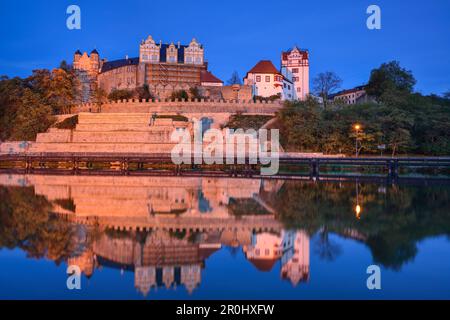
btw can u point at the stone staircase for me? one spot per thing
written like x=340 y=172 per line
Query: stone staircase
x=111 y=133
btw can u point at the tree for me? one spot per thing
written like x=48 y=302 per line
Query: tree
x=390 y=79
x=32 y=117
x=326 y=83
x=98 y=95
x=120 y=94
x=65 y=66
x=194 y=93
x=447 y=95
x=144 y=93
x=235 y=79
x=179 y=95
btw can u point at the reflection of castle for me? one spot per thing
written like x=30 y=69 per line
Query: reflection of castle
x=154 y=202
x=164 y=228
x=164 y=259
x=291 y=246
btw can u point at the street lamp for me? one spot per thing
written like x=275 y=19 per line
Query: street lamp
x=357 y=128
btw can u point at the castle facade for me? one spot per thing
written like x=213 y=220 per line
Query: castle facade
x=164 y=67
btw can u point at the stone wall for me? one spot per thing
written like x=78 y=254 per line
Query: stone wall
x=182 y=107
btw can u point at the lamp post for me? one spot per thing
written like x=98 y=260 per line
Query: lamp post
x=357 y=128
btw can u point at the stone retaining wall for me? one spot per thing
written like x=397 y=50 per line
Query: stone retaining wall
x=182 y=106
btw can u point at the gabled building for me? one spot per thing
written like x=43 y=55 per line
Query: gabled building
x=295 y=66
x=266 y=81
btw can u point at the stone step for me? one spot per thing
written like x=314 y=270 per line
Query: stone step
x=104 y=127
x=102 y=147
x=107 y=118
x=154 y=136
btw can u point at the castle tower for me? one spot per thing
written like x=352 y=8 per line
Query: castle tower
x=295 y=66
x=295 y=260
x=77 y=56
x=95 y=61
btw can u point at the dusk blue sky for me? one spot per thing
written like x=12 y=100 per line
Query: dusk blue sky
x=237 y=34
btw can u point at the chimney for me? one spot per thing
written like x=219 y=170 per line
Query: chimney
x=126 y=57
x=179 y=44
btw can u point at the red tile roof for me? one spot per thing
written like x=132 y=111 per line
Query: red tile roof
x=264 y=66
x=304 y=53
x=207 y=76
x=264 y=265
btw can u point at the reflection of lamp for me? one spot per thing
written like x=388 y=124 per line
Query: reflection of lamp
x=358 y=211
x=358 y=208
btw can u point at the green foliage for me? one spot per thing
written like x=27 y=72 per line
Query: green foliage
x=389 y=81
x=68 y=123
x=179 y=95
x=274 y=97
x=194 y=93
x=31 y=118
x=27 y=105
x=144 y=93
x=240 y=121
x=405 y=123
x=120 y=94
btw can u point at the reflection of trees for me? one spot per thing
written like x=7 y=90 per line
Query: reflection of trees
x=391 y=222
x=26 y=222
x=325 y=248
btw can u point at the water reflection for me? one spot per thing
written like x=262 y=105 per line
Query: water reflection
x=164 y=229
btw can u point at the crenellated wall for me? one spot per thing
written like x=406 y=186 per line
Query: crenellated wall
x=182 y=106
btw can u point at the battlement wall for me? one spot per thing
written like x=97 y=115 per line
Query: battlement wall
x=182 y=106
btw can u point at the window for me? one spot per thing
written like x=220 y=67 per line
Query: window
x=267 y=78
x=198 y=60
x=295 y=70
x=258 y=78
x=289 y=86
x=188 y=59
x=299 y=89
x=284 y=85
x=295 y=79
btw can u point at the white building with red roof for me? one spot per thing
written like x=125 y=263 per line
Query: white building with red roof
x=266 y=81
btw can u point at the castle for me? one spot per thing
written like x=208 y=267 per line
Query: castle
x=165 y=68
x=169 y=67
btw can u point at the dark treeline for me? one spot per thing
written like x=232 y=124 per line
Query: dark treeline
x=28 y=106
x=398 y=118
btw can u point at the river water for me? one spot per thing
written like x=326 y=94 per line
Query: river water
x=222 y=238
